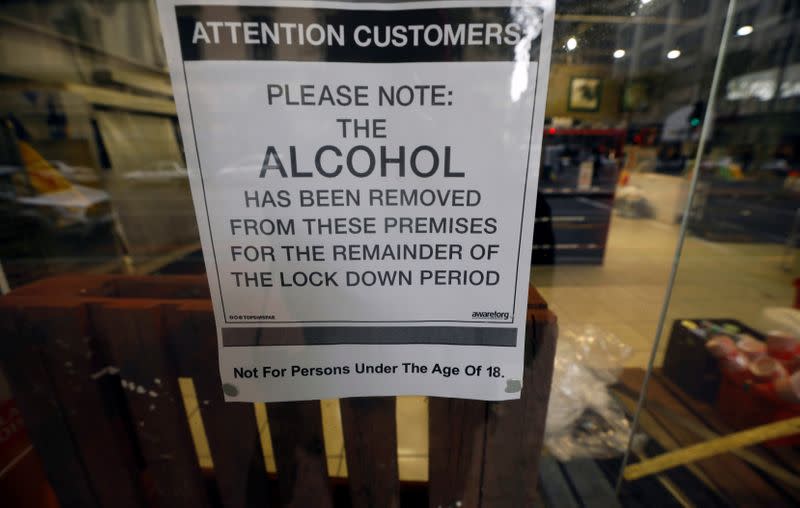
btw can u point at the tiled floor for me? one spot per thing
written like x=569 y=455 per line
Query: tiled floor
x=622 y=297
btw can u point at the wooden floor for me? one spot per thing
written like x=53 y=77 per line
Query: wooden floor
x=757 y=476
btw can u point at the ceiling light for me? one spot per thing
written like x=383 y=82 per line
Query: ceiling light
x=673 y=54
x=572 y=43
x=744 y=30
x=645 y=2
x=619 y=53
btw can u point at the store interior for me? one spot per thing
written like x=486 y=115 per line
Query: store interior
x=94 y=179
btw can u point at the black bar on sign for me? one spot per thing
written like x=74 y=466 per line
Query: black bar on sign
x=379 y=335
x=479 y=34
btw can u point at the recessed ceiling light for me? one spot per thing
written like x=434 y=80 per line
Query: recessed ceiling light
x=744 y=30
x=572 y=43
x=673 y=54
x=619 y=53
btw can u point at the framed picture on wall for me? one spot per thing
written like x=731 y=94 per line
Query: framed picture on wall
x=635 y=96
x=584 y=94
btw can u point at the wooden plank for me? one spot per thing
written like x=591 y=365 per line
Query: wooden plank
x=555 y=489
x=786 y=456
x=34 y=394
x=370 y=440
x=71 y=360
x=753 y=456
x=514 y=431
x=93 y=287
x=164 y=287
x=657 y=432
x=231 y=428
x=779 y=464
x=456 y=440
x=133 y=333
x=590 y=483
x=735 y=480
x=713 y=447
x=651 y=491
x=59 y=286
x=297 y=442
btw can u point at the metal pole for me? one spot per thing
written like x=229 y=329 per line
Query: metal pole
x=707 y=121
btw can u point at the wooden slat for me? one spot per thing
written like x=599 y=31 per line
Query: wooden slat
x=456 y=433
x=735 y=479
x=779 y=464
x=133 y=333
x=554 y=487
x=170 y=287
x=20 y=353
x=713 y=447
x=590 y=483
x=231 y=428
x=92 y=287
x=297 y=442
x=657 y=432
x=514 y=433
x=370 y=442
x=71 y=360
x=752 y=456
x=786 y=456
x=656 y=489
x=59 y=286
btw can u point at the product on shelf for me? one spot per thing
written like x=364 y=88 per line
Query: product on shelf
x=785 y=348
x=760 y=379
x=766 y=369
x=788 y=388
x=751 y=347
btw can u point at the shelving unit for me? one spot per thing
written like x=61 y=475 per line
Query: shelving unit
x=576 y=195
x=743 y=211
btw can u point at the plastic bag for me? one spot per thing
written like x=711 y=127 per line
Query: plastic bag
x=583 y=420
x=631 y=202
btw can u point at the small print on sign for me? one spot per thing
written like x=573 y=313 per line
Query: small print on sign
x=364 y=179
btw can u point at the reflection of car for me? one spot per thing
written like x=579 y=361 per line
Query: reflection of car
x=74 y=209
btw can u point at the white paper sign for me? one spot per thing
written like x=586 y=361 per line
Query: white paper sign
x=364 y=178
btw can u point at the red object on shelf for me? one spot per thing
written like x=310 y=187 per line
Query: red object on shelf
x=747 y=404
x=785 y=348
x=617 y=135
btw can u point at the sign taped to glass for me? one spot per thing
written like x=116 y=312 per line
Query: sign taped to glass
x=364 y=177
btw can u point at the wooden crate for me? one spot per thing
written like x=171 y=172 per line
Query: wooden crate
x=94 y=363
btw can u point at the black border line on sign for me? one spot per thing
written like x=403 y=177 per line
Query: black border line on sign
x=247 y=322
